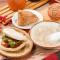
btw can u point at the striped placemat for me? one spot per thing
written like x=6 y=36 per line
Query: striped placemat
x=29 y=5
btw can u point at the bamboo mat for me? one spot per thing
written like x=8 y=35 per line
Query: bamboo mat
x=29 y=5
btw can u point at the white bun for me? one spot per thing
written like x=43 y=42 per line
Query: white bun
x=14 y=34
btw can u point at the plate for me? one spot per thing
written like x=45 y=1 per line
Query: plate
x=15 y=19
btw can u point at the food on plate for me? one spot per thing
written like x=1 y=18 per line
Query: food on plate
x=54 y=11
x=26 y=17
x=42 y=34
x=15 y=42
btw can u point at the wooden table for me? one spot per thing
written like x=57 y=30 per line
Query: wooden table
x=3 y=3
x=43 y=52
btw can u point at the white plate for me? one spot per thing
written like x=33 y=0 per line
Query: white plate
x=15 y=19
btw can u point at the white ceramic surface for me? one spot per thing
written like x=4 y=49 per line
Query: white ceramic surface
x=15 y=19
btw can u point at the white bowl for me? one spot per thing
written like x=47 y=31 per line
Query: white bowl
x=15 y=19
x=37 y=28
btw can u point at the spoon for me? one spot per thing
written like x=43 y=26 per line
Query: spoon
x=54 y=37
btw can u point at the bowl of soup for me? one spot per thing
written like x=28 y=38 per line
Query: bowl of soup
x=40 y=31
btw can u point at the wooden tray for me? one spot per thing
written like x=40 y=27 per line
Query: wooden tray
x=29 y=5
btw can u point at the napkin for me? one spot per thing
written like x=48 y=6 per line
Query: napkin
x=55 y=56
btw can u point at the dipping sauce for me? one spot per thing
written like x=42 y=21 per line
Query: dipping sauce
x=16 y=4
x=42 y=30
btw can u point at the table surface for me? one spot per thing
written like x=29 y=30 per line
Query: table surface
x=3 y=3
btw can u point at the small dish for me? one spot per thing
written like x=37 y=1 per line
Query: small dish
x=15 y=19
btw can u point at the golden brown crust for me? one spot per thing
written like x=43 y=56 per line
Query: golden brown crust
x=26 y=17
x=20 y=53
x=54 y=11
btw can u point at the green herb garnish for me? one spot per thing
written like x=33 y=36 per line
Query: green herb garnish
x=15 y=42
x=3 y=36
x=5 y=40
x=12 y=44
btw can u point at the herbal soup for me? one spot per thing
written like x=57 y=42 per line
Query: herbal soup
x=40 y=32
